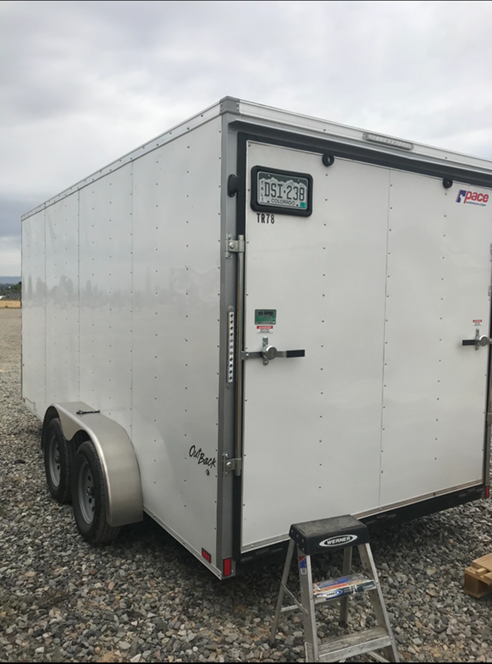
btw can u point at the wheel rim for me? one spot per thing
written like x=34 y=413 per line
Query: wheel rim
x=85 y=492
x=54 y=461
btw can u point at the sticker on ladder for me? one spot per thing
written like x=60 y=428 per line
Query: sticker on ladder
x=343 y=585
x=302 y=560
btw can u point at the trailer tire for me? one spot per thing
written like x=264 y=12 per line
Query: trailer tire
x=57 y=461
x=89 y=496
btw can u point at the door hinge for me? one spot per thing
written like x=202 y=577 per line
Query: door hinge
x=234 y=246
x=231 y=465
x=489 y=419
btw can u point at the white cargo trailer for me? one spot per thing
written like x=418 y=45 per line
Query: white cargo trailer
x=261 y=318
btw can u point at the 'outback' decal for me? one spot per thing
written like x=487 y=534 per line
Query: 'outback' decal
x=202 y=460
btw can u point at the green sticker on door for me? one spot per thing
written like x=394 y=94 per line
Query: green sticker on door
x=265 y=319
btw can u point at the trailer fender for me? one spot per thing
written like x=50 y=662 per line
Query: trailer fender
x=116 y=453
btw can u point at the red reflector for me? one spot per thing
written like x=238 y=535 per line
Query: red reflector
x=487 y=492
x=207 y=556
x=227 y=566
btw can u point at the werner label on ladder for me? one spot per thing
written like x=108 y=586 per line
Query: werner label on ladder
x=312 y=537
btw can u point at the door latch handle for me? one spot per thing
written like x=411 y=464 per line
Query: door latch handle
x=269 y=352
x=480 y=340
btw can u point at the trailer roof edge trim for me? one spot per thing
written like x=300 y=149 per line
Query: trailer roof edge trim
x=355 y=135
x=268 y=116
x=227 y=104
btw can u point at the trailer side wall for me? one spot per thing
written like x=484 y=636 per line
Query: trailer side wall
x=122 y=311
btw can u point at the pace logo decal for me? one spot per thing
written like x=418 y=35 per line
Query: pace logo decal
x=472 y=197
x=338 y=540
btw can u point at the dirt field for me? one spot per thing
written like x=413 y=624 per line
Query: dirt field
x=10 y=304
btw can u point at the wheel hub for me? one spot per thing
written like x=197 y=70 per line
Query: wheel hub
x=85 y=490
x=54 y=461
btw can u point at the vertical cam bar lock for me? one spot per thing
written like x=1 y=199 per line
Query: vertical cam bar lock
x=480 y=340
x=269 y=352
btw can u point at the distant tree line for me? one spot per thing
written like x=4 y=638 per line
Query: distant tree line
x=11 y=289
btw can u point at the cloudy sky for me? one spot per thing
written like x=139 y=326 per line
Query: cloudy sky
x=82 y=83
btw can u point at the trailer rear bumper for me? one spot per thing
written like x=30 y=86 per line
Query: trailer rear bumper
x=389 y=517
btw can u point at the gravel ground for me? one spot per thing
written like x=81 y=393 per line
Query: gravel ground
x=144 y=598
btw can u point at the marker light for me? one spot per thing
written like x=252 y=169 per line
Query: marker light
x=386 y=140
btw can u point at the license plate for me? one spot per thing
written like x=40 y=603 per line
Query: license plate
x=282 y=191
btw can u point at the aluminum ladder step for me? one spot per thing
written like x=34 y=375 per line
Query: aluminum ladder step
x=354 y=644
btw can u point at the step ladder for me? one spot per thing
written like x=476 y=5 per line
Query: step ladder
x=323 y=536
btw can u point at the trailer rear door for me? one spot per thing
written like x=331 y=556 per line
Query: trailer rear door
x=437 y=295
x=312 y=424
x=377 y=279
